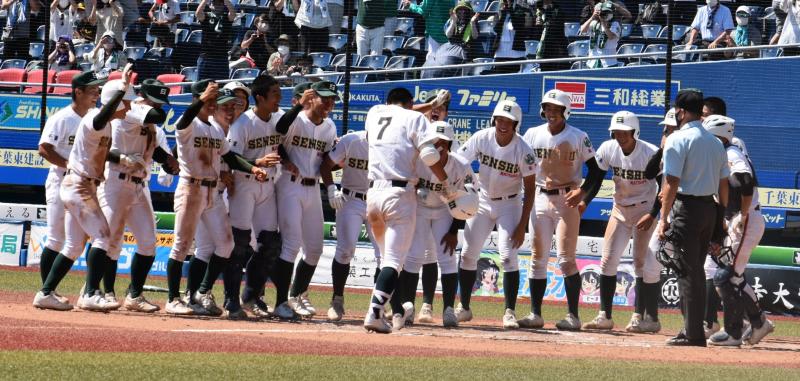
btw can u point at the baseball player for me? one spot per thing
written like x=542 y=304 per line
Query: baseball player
x=436 y=230
x=745 y=229
x=632 y=215
x=507 y=166
x=253 y=205
x=54 y=146
x=200 y=145
x=561 y=151
x=84 y=216
x=308 y=135
x=397 y=137
x=124 y=196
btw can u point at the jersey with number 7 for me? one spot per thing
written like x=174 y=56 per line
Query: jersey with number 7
x=395 y=135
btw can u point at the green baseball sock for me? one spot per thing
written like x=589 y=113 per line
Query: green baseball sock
x=110 y=275
x=140 y=267
x=430 y=274
x=608 y=284
x=466 y=280
x=46 y=263
x=58 y=271
x=96 y=261
x=174 y=271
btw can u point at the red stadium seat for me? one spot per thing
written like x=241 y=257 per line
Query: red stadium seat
x=172 y=78
x=118 y=75
x=64 y=77
x=35 y=76
x=12 y=75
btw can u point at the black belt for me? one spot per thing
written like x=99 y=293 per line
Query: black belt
x=688 y=197
x=360 y=196
x=205 y=183
x=553 y=192
x=395 y=183
x=304 y=181
x=133 y=179
x=95 y=181
x=253 y=177
x=634 y=204
x=504 y=197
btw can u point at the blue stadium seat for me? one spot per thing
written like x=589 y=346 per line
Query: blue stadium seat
x=572 y=29
x=181 y=35
x=337 y=41
x=531 y=47
x=190 y=73
x=678 y=31
x=374 y=61
x=770 y=52
x=13 y=64
x=479 y=5
x=626 y=30
x=135 y=52
x=392 y=43
x=245 y=73
x=651 y=31
x=405 y=25
x=684 y=57
x=655 y=48
x=578 y=48
x=322 y=59
x=494 y=7
x=477 y=70
x=36 y=50
x=196 y=37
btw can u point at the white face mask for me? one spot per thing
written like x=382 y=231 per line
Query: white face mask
x=63 y=3
x=712 y=3
x=742 y=20
x=283 y=50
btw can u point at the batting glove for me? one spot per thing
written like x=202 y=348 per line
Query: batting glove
x=134 y=162
x=165 y=179
x=442 y=98
x=335 y=197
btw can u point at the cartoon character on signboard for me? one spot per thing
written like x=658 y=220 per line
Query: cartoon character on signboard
x=488 y=272
x=625 y=282
x=590 y=279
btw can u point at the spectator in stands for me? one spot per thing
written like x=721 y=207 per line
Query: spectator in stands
x=313 y=20
x=436 y=13
x=258 y=42
x=165 y=15
x=217 y=24
x=63 y=16
x=713 y=22
x=745 y=34
x=107 y=16
x=461 y=31
x=390 y=18
x=620 y=12
x=791 y=30
x=279 y=61
x=513 y=25
x=282 y=15
x=336 y=13
x=604 y=31
x=107 y=56
x=16 y=34
x=63 y=57
x=370 y=27
x=780 y=19
x=130 y=12
x=549 y=29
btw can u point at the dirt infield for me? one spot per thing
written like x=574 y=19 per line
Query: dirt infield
x=24 y=327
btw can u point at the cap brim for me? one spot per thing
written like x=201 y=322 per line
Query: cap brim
x=668 y=122
x=156 y=100
x=225 y=99
x=97 y=82
x=620 y=127
x=327 y=93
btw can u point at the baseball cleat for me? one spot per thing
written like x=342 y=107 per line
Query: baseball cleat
x=336 y=312
x=638 y=324
x=531 y=321
x=62 y=299
x=398 y=322
x=376 y=324
x=449 y=318
x=307 y=303
x=238 y=314
x=710 y=330
x=510 y=319
x=111 y=301
x=139 y=304
x=257 y=308
x=755 y=335
x=426 y=313
x=298 y=307
x=601 y=322
x=178 y=307
x=50 y=302
x=207 y=302
x=94 y=302
x=284 y=312
x=463 y=314
x=408 y=313
x=569 y=323
x=723 y=339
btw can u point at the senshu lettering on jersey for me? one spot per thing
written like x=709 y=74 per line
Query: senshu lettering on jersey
x=263 y=141
x=310 y=143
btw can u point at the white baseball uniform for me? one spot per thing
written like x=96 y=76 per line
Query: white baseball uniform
x=204 y=245
x=433 y=215
x=560 y=159
x=200 y=148
x=500 y=175
x=253 y=204
x=87 y=160
x=395 y=136
x=124 y=196
x=299 y=201
x=59 y=131
x=634 y=196
x=352 y=154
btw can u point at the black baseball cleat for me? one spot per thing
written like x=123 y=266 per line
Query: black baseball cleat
x=682 y=341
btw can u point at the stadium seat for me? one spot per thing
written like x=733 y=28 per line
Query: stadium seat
x=479 y=5
x=630 y=49
x=578 y=48
x=64 y=77
x=678 y=31
x=356 y=77
x=373 y=61
x=245 y=20
x=626 y=30
x=572 y=29
x=13 y=64
x=337 y=41
x=405 y=25
x=172 y=78
x=36 y=50
x=322 y=59
x=392 y=43
x=190 y=73
x=770 y=52
x=577 y=65
x=400 y=62
x=531 y=47
x=493 y=7
x=40 y=33
x=651 y=31
x=486 y=27
x=85 y=66
x=187 y=18
x=196 y=37
x=159 y=53
x=12 y=75
x=529 y=68
x=684 y=57
x=82 y=49
x=181 y=35
x=477 y=70
x=118 y=75
x=414 y=43
x=637 y=63
x=339 y=60
x=135 y=52
x=655 y=48
x=36 y=76
x=245 y=73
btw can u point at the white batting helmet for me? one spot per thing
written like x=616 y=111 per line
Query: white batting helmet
x=720 y=126
x=445 y=131
x=669 y=118
x=508 y=109
x=624 y=121
x=558 y=98
x=464 y=206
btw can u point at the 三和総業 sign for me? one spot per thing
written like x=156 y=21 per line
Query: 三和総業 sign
x=605 y=96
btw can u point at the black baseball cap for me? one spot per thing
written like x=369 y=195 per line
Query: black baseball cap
x=225 y=96
x=87 y=78
x=325 y=89
x=154 y=90
x=199 y=87
x=690 y=100
x=298 y=90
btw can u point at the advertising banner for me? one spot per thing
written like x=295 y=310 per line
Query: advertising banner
x=11 y=240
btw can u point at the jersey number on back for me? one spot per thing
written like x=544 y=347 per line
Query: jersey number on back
x=384 y=122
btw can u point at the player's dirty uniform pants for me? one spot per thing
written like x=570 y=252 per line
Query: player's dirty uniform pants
x=391 y=212
x=194 y=203
x=621 y=227
x=253 y=204
x=432 y=224
x=84 y=217
x=742 y=242
x=300 y=220
x=553 y=216
x=204 y=246
x=505 y=213
x=55 y=209
x=348 y=228
x=126 y=201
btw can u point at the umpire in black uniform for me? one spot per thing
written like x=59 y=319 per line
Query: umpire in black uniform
x=695 y=169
